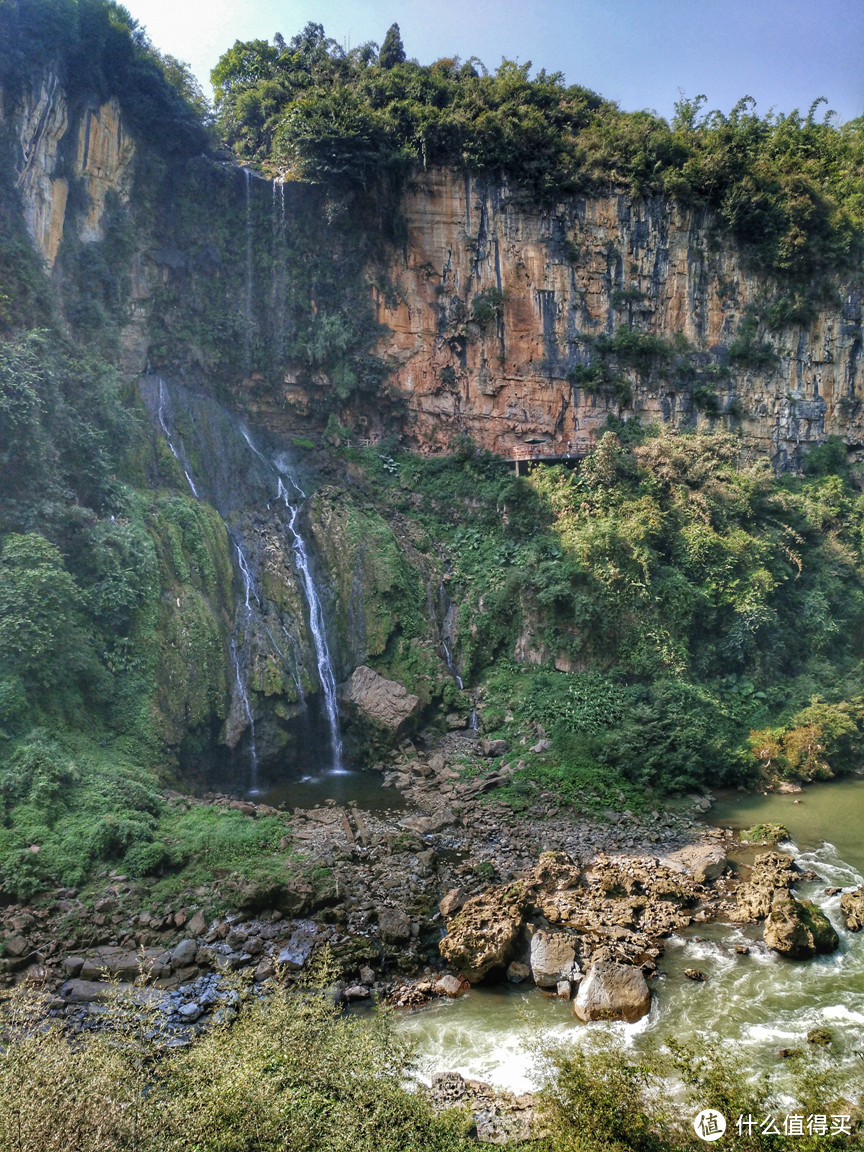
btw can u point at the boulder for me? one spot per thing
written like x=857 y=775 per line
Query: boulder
x=493 y=747
x=197 y=926
x=771 y=872
x=451 y=986
x=704 y=861
x=394 y=924
x=385 y=702
x=451 y=902
x=483 y=934
x=16 y=946
x=265 y=970
x=852 y=907
x=553 y=956
x=299 y=946
x=184 y=954
x=517 y=972
x=426 y=824
x=612 y=992
x=85 y=991
x=797 y=928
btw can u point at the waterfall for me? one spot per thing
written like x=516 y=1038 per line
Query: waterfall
x=445 y=633
x=316 y=627
x=247 y=709
x=248 y=585
x=174 y=452
x=248 y=589
x=279 y=270
x=247 y=333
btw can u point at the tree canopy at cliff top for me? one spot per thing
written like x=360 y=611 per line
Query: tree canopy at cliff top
x=790 y=188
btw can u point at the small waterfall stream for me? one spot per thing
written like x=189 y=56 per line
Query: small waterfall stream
x=170 y=442
x=249 y=293
x=316 y=627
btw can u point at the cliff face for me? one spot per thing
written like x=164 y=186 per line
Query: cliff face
x=58 y=148
x=494 y=301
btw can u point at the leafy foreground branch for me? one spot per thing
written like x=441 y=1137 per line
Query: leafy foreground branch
x=289 y=1073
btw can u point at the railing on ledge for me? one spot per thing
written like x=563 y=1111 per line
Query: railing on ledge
x=526 y=454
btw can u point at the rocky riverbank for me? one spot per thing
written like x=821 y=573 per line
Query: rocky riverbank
x=407 y=904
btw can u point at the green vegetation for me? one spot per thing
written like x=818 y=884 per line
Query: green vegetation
x=788 y=188
x=765 y=834
x=290 y=1072
x=600 y=1099
x=694 y=597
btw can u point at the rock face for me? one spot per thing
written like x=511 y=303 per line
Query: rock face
x=852 y=907
x=385 y=702
x=553 y=958
x=798 y=929
x=483 y=934
x=496 y=298
x=102 y=163
x=612 y=992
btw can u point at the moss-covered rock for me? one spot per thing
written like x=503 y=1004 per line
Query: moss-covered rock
x=798 y=929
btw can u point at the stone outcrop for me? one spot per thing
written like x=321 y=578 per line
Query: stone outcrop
x=612 y=992
x=852 y=907
x=384 y=702
x=499 y=1117
x=496 y=297
x=771 y=872
x=797 y=928
x=483 y=934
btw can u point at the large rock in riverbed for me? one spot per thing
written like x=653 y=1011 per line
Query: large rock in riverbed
x=798 y=929
x=483 y=934
x=852 y=907
x=553 y=957
x=771 y=872
x=385 y=702
x=612 y=992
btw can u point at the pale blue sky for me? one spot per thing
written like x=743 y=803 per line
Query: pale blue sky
x=638 y=52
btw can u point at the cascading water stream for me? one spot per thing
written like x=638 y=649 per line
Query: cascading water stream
x=174 y=452
x=316 y=627
x=249 y=295
x=247 y=709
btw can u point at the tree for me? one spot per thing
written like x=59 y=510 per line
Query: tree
x=392 y=50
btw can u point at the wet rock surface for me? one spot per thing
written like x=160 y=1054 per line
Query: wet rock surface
x=798 y=929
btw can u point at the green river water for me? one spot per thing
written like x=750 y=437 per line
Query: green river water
x=760 y=1002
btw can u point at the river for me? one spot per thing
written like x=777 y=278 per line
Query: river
x=761 y=1002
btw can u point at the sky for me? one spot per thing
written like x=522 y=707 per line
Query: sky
x=641 y=53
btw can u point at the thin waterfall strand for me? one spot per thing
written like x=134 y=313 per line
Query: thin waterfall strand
x=174 y=452
x=247 y=708
x=316 y=626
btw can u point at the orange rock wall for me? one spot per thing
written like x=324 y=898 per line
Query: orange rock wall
x=559 y=270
